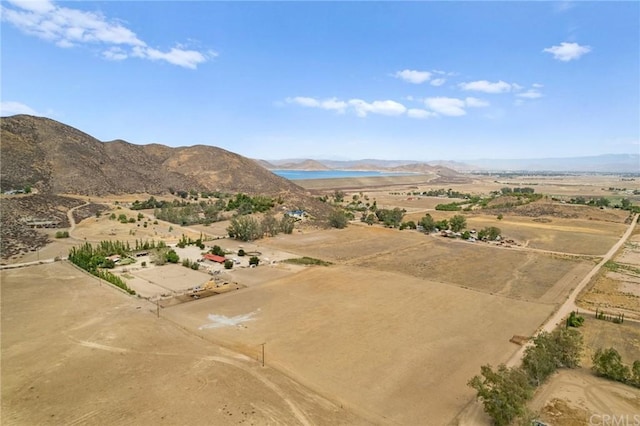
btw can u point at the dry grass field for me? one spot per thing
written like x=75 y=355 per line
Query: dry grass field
x=616 y=289
x=393 y=347
x=74 y=352
x=508 y=272
x=389 y=334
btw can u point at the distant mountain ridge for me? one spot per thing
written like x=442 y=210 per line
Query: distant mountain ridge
x=607 y=163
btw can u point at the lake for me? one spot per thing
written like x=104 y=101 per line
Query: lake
x=332 y=174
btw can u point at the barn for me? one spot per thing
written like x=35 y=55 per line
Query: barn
x=214 y=258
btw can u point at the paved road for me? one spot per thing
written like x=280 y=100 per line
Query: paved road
x=473 y=414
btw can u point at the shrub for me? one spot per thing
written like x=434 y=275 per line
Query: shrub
x=241 y=252
x=172 y=256
x=228 y=264
x=62 y=234
x=254 y=260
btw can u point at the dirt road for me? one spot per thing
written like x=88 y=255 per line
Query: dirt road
x=474 y=414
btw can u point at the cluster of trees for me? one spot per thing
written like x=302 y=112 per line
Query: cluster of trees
x=187 y=263
x=457 y=223
x=191 y=213
x=152 y=203
x=245 y=204
x=505 y=391
x=608 y=363
x=184 y=241
x=517 y=191
x=248 y=228
x=94 y=260
x=450 y=193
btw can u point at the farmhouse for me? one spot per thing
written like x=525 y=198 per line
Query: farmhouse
x=214 y=258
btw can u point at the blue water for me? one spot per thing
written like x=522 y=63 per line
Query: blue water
x=331 y=174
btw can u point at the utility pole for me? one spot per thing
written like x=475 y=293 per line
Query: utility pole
x=158 y=307
x=262 y=344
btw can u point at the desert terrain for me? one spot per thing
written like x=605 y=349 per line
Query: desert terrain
x=388 y=333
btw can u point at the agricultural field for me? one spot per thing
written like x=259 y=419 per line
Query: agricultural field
x=75 y=352
x=616 y=289
x=397 y=348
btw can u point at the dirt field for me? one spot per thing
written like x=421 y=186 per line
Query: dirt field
x=616 y=289
x=398 y=348
x=74 y=352
x=389 y=334
x=577 y=398
x=572 y=397
x=512 y=273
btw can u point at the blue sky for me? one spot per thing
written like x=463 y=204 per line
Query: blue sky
x=328 y=80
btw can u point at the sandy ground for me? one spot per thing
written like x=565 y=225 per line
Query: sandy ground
x=577 y=397
x=74 y=352
x=394 y=348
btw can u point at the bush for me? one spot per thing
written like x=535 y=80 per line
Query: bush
x=217 y=250
x=338 y=219
x=172 y=256
x=62 y=234
x=254 y=260
x=228 y=264
x=241 y=252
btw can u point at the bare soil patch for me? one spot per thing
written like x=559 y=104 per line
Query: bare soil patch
x=396 y=347
x=74 y=352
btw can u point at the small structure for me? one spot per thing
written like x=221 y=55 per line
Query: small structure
x=296 y=214
x=115 y=258
x=214 y=258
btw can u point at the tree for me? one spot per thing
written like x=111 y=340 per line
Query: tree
x=503 y=392
x=602 y=202
x=241 y=252
x=491 y=233
x=228 y=264
x=457 y=223
x=625 y=203
x=427 y=223
x=217 y=250
x=635 y=374
x=337 y=219
x=245 y=228
x=442 y=225
x=338 y=196
x=608 y=363
x=270 y=225
x=287 y=224
x=172 y=256
x=254 y=260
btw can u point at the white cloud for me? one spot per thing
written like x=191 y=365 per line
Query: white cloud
x=537 y=85
x=115 y=54
x=530 y=94
x=566 y=52
x=476 y=103
x=420 y=113
x=362 y=108
x=446 y=106
x=437 y=82
x=358 y=106
x=67 y=27
x=331 y=104
x=488 y=87
x=12 y=108
x=413 y=76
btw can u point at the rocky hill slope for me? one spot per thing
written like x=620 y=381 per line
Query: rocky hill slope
x=55 y=158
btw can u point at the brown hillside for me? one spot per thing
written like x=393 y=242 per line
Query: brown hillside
x=56 y=158
x=304 y=165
